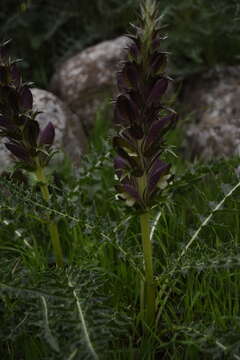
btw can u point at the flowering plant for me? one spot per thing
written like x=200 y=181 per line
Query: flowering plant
x=18 y=124
x=143 y=120
x=31 y=146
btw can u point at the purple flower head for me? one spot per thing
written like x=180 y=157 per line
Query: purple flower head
x=141 y=115
x=18 y=124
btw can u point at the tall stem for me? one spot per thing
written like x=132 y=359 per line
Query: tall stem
x=52 y=226
x=149 y=281
x=149 y=296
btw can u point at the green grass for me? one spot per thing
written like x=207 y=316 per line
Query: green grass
x=90 y=308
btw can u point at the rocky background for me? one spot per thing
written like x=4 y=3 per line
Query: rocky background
x=70 y=89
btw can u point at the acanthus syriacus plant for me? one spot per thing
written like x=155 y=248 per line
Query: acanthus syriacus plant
x=143 y=121
x=18 y=124
x=31 y=147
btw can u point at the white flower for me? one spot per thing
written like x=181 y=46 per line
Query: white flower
x=129 y=200
x=163 y=182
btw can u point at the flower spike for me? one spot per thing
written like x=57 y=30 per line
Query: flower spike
x=30 y=146
x=17 y=118
x=140 y=112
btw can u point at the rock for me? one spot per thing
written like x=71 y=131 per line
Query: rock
x=88 y=78
x=69 y=135
x=5 y=157
x=214 y=100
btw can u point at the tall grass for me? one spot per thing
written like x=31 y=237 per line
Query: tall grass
x=91 y=306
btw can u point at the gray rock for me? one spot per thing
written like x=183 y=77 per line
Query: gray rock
x=88 y=78
x=5 y=157
x=69 y=135
x=214 y=100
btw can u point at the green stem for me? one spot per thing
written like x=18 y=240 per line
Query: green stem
x=149 y=280
x=149 y=286
x=53 y=229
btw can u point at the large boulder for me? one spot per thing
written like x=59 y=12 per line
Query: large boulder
x=69 y=135
x=84 y=81
x=213 y=101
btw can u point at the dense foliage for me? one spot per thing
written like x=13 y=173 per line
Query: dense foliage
x=198 y=276
x=203 y=33
x=45 y=31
